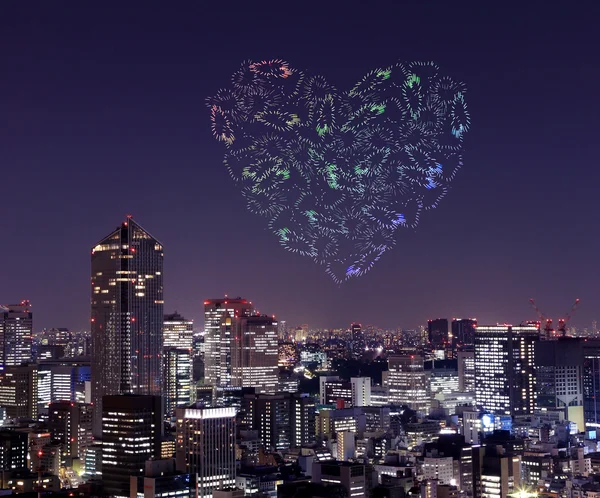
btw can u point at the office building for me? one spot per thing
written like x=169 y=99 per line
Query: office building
x=206 y=446
x=131 y=434
x=19 y=391
x=161 y=480
x=466 y=371
x=407 y=382
x=178 y=332
x=361 y=391
x=346 y=445
x=63 y=380
x=282 y=420
x=330 y=422
x=357 y=344
x=16 y=334
x=70 y=425
x=505 y=368
x=178 y=379
x=220 y=317
x=254 y=353
x=463 y=332
x=496 y=474
x=351 y=476
x=334 y=391
x=13 y=450
x=127 y=315
x=437 y=333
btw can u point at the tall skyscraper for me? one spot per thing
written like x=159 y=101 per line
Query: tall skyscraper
x=131 y=434
x=407 y=382
x=178 y=332
x=505 y=368
x=219 y=316
x=206 y=446
x=16 y=334
x=254 y=354
x=127 y=315
x=358 y=340
x=437 y=331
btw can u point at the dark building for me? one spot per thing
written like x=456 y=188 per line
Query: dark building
x=453 y=445
x=358 y=340
x=352 y=476
x=161 y=480
x=131 y=434
x=70 y=425
x=282 y=420
x=463 y=332
x=496 y=473
x=568 y=378
x=13 y=450
x=437 y=331
x=126 y=315
x=178 y=379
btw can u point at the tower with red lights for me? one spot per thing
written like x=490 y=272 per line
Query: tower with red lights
x=126 y=315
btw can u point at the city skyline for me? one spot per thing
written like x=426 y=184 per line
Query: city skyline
x=125 y=131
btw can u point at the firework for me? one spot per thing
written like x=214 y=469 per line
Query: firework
x=339 y=175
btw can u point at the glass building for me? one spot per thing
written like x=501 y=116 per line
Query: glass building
x=126 y=315
x=505 y=368
x=16 y=334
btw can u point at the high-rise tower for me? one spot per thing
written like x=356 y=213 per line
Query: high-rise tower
x=127 y=315
x=219 y=322
x=16 y=329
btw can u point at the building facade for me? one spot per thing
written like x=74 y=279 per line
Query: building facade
x=16 y=334
x=126 y=315
x=178 y=332
x=407 y=382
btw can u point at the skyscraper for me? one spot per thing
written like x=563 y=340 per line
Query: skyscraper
x=358 y=340
x=19 y=391
x=16 y=333
x=219 y=316
x=127 y=315
x=131 y=434
x=254 y=354
x=407 y=382
x=178 y=332
x=178 y=379
x=206 y=446
x=463 y=332
x=505 y=368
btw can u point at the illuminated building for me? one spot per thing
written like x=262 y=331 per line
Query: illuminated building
x=495 y=474
x=437 y=333
x=288 y=356
x=19 y=391
x=254 y=354
x=127 y=315
x=330 y=422
x=350 y=475
x=443 y=377
x=178 y=379
x=131 y=434
x=466 y=371
x=282 y=420
x=178 y=332
x=346 y=447
x=71 y=426
x=407 y=382
x=505 y=368
x=358 y=339
x=62 y=380
x=361 y=391
x=206 y=446
x=332 y=390
x=219 y=317
x=16 y=334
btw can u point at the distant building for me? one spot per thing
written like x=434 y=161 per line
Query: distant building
x=437 y=332
x=407 y=382
x=131 y=434
x=463 y=332
x=19 y=391
x=71 y=426
x=178 y=332
x=16 y=334
x=126 y=315
x=206 y=446
x=505 y=368
x=466 y=371
x=178 y=373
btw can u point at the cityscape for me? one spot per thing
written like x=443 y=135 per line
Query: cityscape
x=299 y=250
x=148 y=403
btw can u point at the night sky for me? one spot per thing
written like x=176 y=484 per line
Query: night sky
x=103 y=114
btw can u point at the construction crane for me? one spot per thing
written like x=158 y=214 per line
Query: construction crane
x=562 y=322
x=547 y=322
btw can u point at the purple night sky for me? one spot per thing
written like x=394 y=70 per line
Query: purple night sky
x=103 y=114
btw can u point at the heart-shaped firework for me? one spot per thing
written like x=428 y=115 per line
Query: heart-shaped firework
x=336 y=174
